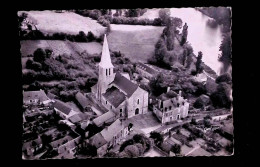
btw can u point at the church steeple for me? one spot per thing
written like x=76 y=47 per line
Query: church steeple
x=105 y=57
x=106 y=70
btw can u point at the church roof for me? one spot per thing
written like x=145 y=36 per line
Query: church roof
x=114 y=96
x=125 y=84
x=105 y=57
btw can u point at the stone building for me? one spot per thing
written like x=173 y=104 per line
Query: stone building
x=171 y=107
x=116 y=92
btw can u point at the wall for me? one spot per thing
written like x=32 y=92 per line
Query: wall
x=132 y=105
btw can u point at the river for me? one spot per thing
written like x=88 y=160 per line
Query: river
x=202 y=37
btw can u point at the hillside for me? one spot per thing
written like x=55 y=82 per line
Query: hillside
x=141 y=38
x=59 y=47
x=50 y=22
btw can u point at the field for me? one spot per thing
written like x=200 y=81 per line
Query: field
x=141 y=38
x=50 y=22
x=59 y=47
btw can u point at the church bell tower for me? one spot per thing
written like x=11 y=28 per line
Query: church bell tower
x=106 y=73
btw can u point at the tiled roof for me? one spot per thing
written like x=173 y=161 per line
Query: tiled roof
x=109 y=132
x=114 y=96
x=78 y=117
x=62 y=107
x=30 y=95
x=83 y=101
x=103 y=118
x=125 y=84
x=51 y=95
x=146 y=68
x=97 y=140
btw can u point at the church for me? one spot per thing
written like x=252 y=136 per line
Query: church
x=117 y=92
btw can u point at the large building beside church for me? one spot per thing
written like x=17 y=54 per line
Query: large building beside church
x=116 y=92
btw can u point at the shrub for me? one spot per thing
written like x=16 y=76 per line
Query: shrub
x=125 y=144
x=176 y=148
x=226 y=77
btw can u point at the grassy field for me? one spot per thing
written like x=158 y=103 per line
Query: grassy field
x=50 y=22
x=142 y=38
x=59 y=47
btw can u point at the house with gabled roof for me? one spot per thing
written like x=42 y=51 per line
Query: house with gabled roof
x=35 y=97
x=109 y=137
x=116 y=92
x=63 y=110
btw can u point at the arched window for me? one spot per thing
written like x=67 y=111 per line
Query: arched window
x=106 y=72
x=137 y=101
x=170 y=107
x=109 y=71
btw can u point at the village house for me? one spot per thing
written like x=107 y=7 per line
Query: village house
x=109 y=137
x=145 y=70
x=63 y=110
x=116 y=92
x=106 y=118
x=35 y=98
x=170 y=108
x=82 y=101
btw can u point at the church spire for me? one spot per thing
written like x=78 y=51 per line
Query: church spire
x=105 y=57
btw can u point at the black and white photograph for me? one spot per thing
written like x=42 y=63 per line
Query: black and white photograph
x=126 y=83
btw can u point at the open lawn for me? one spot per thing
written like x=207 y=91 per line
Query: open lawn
x=124 y=38
x=50 y=22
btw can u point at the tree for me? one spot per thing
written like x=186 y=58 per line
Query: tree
x=171 y=30
x=176 y=148
x=39 y=55
x=111 y=154
x=125 y=144
x=226 y=55
x=164 y=14
x=199 y=67
x=156 y=84
x=184 y=34
x=193 y=121
x=132 y=151
x=158 y=138
x=226 y=77
x=48 y=53
x=46 y=139
x=221 y=97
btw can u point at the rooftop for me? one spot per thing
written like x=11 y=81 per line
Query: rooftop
x=103 y=118
x=146 y=68
x=109 y=132
x=62 y=107
x=114 y=96
x=125 y=84
x=97 y=140
x=40 y=94
x=83 y=101
x=78 y=117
